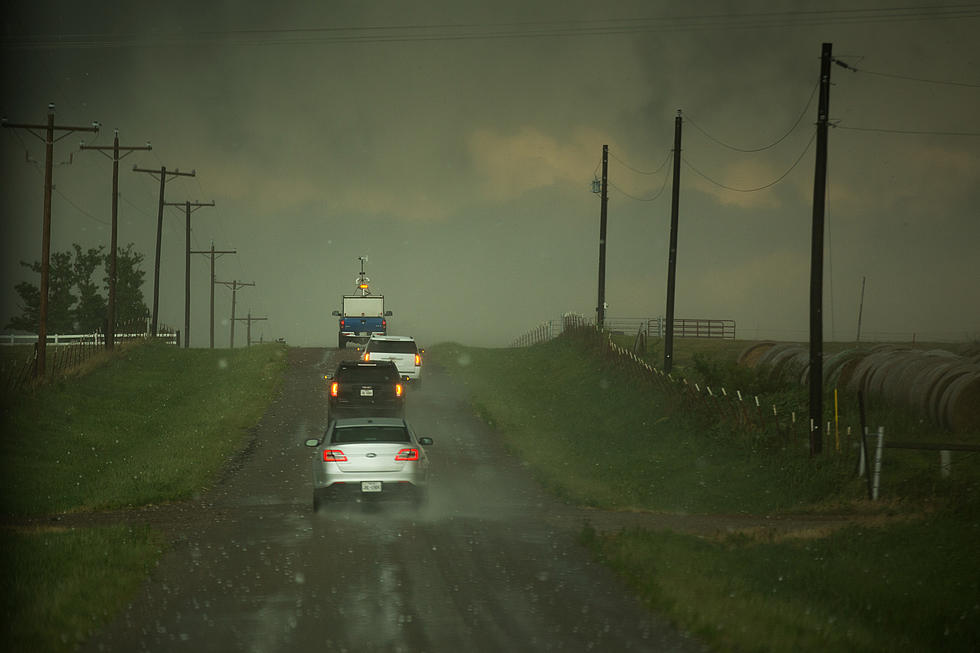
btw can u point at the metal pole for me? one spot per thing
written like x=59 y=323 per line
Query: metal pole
x=234 y=292
x=42 y=331
x=187 y=276
x=156 y=264
x=861 y=309
x=672 y=256
x=110 y=329
x=816 y=257
x=212 y=296
x=601 y=308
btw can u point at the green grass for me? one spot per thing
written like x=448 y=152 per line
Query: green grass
x=150 y=423
x=61 y=586
x=597 y=436
x=908 y=587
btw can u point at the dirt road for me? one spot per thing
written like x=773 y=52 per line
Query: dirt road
x=490 y=564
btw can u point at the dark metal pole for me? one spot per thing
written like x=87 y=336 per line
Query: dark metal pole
x=212 y=296
x=42 y=331
x=156 y=265
x=110 y=329
x=860 y=310
x=601 y=308
x=672 y=254
x=816 y=258
x=187 y=276
x=234 y=292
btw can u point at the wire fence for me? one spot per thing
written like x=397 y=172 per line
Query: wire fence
x=65 y=353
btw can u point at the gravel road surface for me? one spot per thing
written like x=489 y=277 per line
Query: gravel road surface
x=489 y=564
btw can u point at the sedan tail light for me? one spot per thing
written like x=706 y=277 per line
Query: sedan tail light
x=334 y=388
x=367 y=356
x=406 y=455
x=334 y=456
x=398 y=389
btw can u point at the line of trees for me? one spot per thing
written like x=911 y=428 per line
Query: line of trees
x=76 y=300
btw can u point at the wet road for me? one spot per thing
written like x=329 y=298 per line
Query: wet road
x=490 y=564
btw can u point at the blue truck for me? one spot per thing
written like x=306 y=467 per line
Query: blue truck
x=362 y=314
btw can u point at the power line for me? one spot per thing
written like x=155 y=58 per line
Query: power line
x=912 y=132
x=644 y=199
x=752 y=190
x=642 y=172
x=489 y=31
x=923 y=80
x=765 y=147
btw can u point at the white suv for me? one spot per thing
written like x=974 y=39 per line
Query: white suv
x=401 y=350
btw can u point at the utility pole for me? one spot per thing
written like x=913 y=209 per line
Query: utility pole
x=672 y=256
x=49 y=140
x=248 y=328
x=860 y=310
x=110 y=329
x=604 y=198
x=816 y=257
x=213 y=253
x=164 y=173
x=187 y=263
x=234 y=285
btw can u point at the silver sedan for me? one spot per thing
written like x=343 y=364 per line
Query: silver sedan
x=369 y=457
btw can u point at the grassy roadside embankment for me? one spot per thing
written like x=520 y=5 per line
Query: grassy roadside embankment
x=150 y=424
x=904 y=576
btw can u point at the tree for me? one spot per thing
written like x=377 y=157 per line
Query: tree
x=75 y=303
x=130 y=306
x=90 y=309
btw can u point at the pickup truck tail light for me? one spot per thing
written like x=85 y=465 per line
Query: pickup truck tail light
x=406 y=455
x=398 y=390
x=334 y=456
x=418 y=360
x=334 y=389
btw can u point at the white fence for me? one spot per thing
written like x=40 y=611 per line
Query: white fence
x=77 y=338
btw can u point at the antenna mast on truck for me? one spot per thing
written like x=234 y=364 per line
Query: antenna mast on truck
x=361 y=288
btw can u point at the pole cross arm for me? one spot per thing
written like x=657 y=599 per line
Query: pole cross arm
x=163 y=171
x=195 y=205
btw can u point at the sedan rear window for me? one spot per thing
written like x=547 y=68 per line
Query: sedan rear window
x=369 y=375
x=370 y=434
x=393 y=346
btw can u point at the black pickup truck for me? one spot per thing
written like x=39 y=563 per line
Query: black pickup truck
x=359 y=389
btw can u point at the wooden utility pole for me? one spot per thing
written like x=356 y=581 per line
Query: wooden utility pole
x=213 y=253
x=164 y=173
x=672 y=254
x=604 y=200
x=187 y=263
x=234 y=285
x=49 y=140
x=110 y=329
x=816 y=257
x=248 y=328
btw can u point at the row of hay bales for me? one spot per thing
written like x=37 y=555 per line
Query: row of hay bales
x=942 y=386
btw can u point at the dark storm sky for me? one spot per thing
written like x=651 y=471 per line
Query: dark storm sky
x=455 y=143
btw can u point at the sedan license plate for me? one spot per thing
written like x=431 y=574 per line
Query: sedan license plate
x=370 y=486
x=367 y=392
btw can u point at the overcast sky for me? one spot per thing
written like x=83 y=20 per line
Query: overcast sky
x=455 y=143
